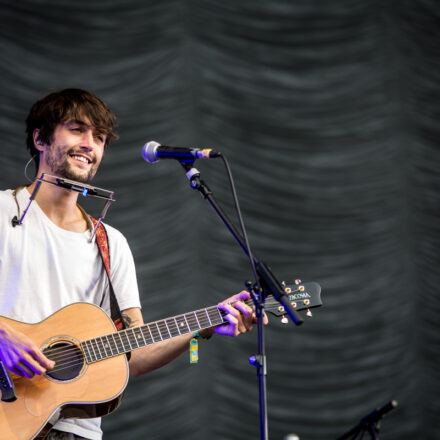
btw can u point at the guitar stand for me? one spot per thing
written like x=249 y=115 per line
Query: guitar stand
x=266 y=284
x=370 y=424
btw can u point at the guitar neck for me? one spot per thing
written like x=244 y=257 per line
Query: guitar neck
x=130 y=339
x=302 y=297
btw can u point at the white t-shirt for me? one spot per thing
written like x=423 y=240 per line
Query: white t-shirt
x=44 y=268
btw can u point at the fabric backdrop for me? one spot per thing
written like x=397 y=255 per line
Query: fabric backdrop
x=327 y=112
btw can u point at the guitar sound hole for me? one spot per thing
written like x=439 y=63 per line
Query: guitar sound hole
x=68 y=359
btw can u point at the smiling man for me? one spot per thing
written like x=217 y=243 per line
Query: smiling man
x=64 y=135
x=50 y=261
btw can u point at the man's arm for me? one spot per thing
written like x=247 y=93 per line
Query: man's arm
x=239 y=320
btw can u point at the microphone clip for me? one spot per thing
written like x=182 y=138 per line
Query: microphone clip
x=192 y=173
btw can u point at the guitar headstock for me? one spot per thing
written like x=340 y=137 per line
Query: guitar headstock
x=302 y=296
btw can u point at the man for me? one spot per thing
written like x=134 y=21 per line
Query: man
x=49 y=261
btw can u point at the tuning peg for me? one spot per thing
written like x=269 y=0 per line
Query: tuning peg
x=284 y=320
x=297 y=281
x=309 y=313
x=283 y=283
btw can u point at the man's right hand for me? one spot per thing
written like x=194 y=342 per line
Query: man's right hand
x=20 y=355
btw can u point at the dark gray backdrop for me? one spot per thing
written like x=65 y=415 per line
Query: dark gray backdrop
x=327 y=111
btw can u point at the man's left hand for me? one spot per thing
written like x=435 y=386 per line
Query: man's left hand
x=240 y=316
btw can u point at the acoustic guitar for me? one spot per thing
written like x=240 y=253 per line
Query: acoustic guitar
x=91 y=370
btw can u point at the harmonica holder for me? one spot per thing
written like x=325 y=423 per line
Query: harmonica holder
x=69 y=185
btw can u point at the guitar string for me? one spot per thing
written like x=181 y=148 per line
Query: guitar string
x=97 y=344
x=189 y=317
x=192 y=320
x=68 y=361
x=65 y=352
x=161 y=323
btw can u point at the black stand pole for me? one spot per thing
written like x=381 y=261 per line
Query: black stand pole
x=259 y=361
x=370 y=423
x=266 y=280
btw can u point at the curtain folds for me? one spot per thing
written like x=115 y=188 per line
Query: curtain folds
x=327 y=112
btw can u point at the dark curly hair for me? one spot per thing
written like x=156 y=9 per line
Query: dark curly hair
x=66 y=105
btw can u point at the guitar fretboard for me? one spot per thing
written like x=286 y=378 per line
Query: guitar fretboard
x=124 y=341
x=303 y=296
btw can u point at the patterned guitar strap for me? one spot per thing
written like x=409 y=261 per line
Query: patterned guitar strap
x=102 y=241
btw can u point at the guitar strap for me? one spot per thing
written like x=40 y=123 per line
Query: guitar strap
x=102 y=242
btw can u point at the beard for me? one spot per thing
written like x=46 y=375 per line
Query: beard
x=57 y=159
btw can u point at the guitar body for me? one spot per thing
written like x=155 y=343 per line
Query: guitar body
x=87 y=390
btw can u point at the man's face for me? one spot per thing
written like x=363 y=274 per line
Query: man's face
x=75 y=152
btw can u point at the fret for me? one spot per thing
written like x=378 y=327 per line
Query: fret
x=198 y=323
x=168 y=330
x=158 y=331
x=125 y=341
x=100 y=348
x=97 y=345
x=203 y=319
x=85 y=344
x=109 y=345
x=151 y=334
x=132 y=337
x=192 y=321
x=164 y=334
x=182 y=324
x=105 y=347
x=207 y=315
x=93 y=345
x=147 y=337
x=112 y=344
x=117 y=344
x=154 y=333
x=188 y=324
x=177 y=326
x=215 y=316
x=139 y=337
x=172 y=327
x=122 y=343
x=186 y=321
x=141 y=331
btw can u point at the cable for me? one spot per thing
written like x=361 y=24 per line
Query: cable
x=240 y=220
x=26 y=167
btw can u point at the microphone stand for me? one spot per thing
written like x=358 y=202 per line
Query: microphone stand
x=266 y=284
x=370 y=423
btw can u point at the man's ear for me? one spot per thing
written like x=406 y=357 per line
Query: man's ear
x=39 y=144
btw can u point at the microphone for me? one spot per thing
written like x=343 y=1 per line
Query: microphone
x=152 y=152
